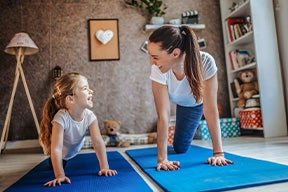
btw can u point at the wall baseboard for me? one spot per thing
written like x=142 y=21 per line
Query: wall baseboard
x=23 y=144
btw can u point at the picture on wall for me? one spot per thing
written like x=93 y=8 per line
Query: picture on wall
x=103 y=39
x=144 y=47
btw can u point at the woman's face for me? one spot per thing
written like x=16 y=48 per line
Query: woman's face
x=161 y=58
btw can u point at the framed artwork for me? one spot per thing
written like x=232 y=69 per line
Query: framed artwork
x=103 y=39
x=202 y=43
x=144 y=47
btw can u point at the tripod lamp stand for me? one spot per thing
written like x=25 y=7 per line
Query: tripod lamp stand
x=20 y=45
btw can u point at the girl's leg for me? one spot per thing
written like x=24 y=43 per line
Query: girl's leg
x=187 y=122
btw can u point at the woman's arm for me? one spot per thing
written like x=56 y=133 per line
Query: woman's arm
x=56 y=156
x=100 y=150
x=211 y=112
x=212 y=118
x=162 y=105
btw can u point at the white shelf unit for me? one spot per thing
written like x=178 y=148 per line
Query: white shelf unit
x=263 y=42
x=149 y=27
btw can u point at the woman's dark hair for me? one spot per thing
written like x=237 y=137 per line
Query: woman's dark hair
x=171 y=37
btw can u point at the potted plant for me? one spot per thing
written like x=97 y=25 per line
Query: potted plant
x=156 y=8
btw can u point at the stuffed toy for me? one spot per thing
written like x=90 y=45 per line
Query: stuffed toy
x=246 y=87
x=114 y=138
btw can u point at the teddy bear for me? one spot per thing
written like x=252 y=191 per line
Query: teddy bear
x=246 y=86
x=114 y=138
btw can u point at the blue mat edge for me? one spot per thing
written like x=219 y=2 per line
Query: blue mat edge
x=146 y=174
x=39 y=164
x=226 y=153
x=46 y=159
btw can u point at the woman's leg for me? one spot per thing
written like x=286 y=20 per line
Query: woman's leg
x=187 y=122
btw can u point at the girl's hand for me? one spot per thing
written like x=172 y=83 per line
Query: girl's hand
x=219 y=160
x=58 y=181
x=107 y=172
x=168 y=165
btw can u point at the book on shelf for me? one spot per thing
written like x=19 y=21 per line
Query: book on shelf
x=237 y=27
x=230 y=22
x=233 y=62
x=235 y=87
x=242 y=57
x=239 y=58
x=233 y=90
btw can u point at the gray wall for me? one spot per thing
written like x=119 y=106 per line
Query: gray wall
x=122 y=88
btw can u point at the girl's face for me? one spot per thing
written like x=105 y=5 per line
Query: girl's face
x=161 y=58
x=83 y=95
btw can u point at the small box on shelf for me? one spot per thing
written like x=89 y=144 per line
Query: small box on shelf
x=190 y=17
x=230 y=127
x=251 y=118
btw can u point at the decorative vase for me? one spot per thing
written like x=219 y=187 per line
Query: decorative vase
x=157 y=20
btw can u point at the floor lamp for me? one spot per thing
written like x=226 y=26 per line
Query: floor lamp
x=20 y=45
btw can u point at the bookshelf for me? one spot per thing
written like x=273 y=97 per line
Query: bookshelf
x=261 y=42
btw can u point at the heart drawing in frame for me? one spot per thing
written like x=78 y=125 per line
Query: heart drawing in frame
x=104 y=36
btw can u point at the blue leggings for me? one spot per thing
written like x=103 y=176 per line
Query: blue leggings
x=187 y=122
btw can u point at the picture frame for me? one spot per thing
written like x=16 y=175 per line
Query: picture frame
x=202 y=44
x=103 y=39
x=144 y=47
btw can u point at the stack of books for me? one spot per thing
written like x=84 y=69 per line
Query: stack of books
x=237 y=27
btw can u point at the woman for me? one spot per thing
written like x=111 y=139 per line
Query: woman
x=182 y=74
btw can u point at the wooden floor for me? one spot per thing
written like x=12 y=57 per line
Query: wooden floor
x=14 y=163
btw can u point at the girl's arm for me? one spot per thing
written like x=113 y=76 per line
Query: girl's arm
x=56 y=156
x=162 y=105
x=212 y=118
x=100 y=150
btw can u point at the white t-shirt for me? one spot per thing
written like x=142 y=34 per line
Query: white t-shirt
x=74 y=131
x=180 y=91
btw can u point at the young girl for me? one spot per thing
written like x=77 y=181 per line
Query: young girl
x=66 y=120
x=182 y=74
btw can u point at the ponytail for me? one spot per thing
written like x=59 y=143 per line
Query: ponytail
x=193 y=62
x=49 y=110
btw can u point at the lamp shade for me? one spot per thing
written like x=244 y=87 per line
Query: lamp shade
x=21 y=40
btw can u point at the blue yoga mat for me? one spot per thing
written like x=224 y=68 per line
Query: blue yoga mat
x=195 y=175
x=82 y=171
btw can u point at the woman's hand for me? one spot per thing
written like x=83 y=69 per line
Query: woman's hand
x=107 y=172
x=219 y=160
x=168 y=165
x=58 y=181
